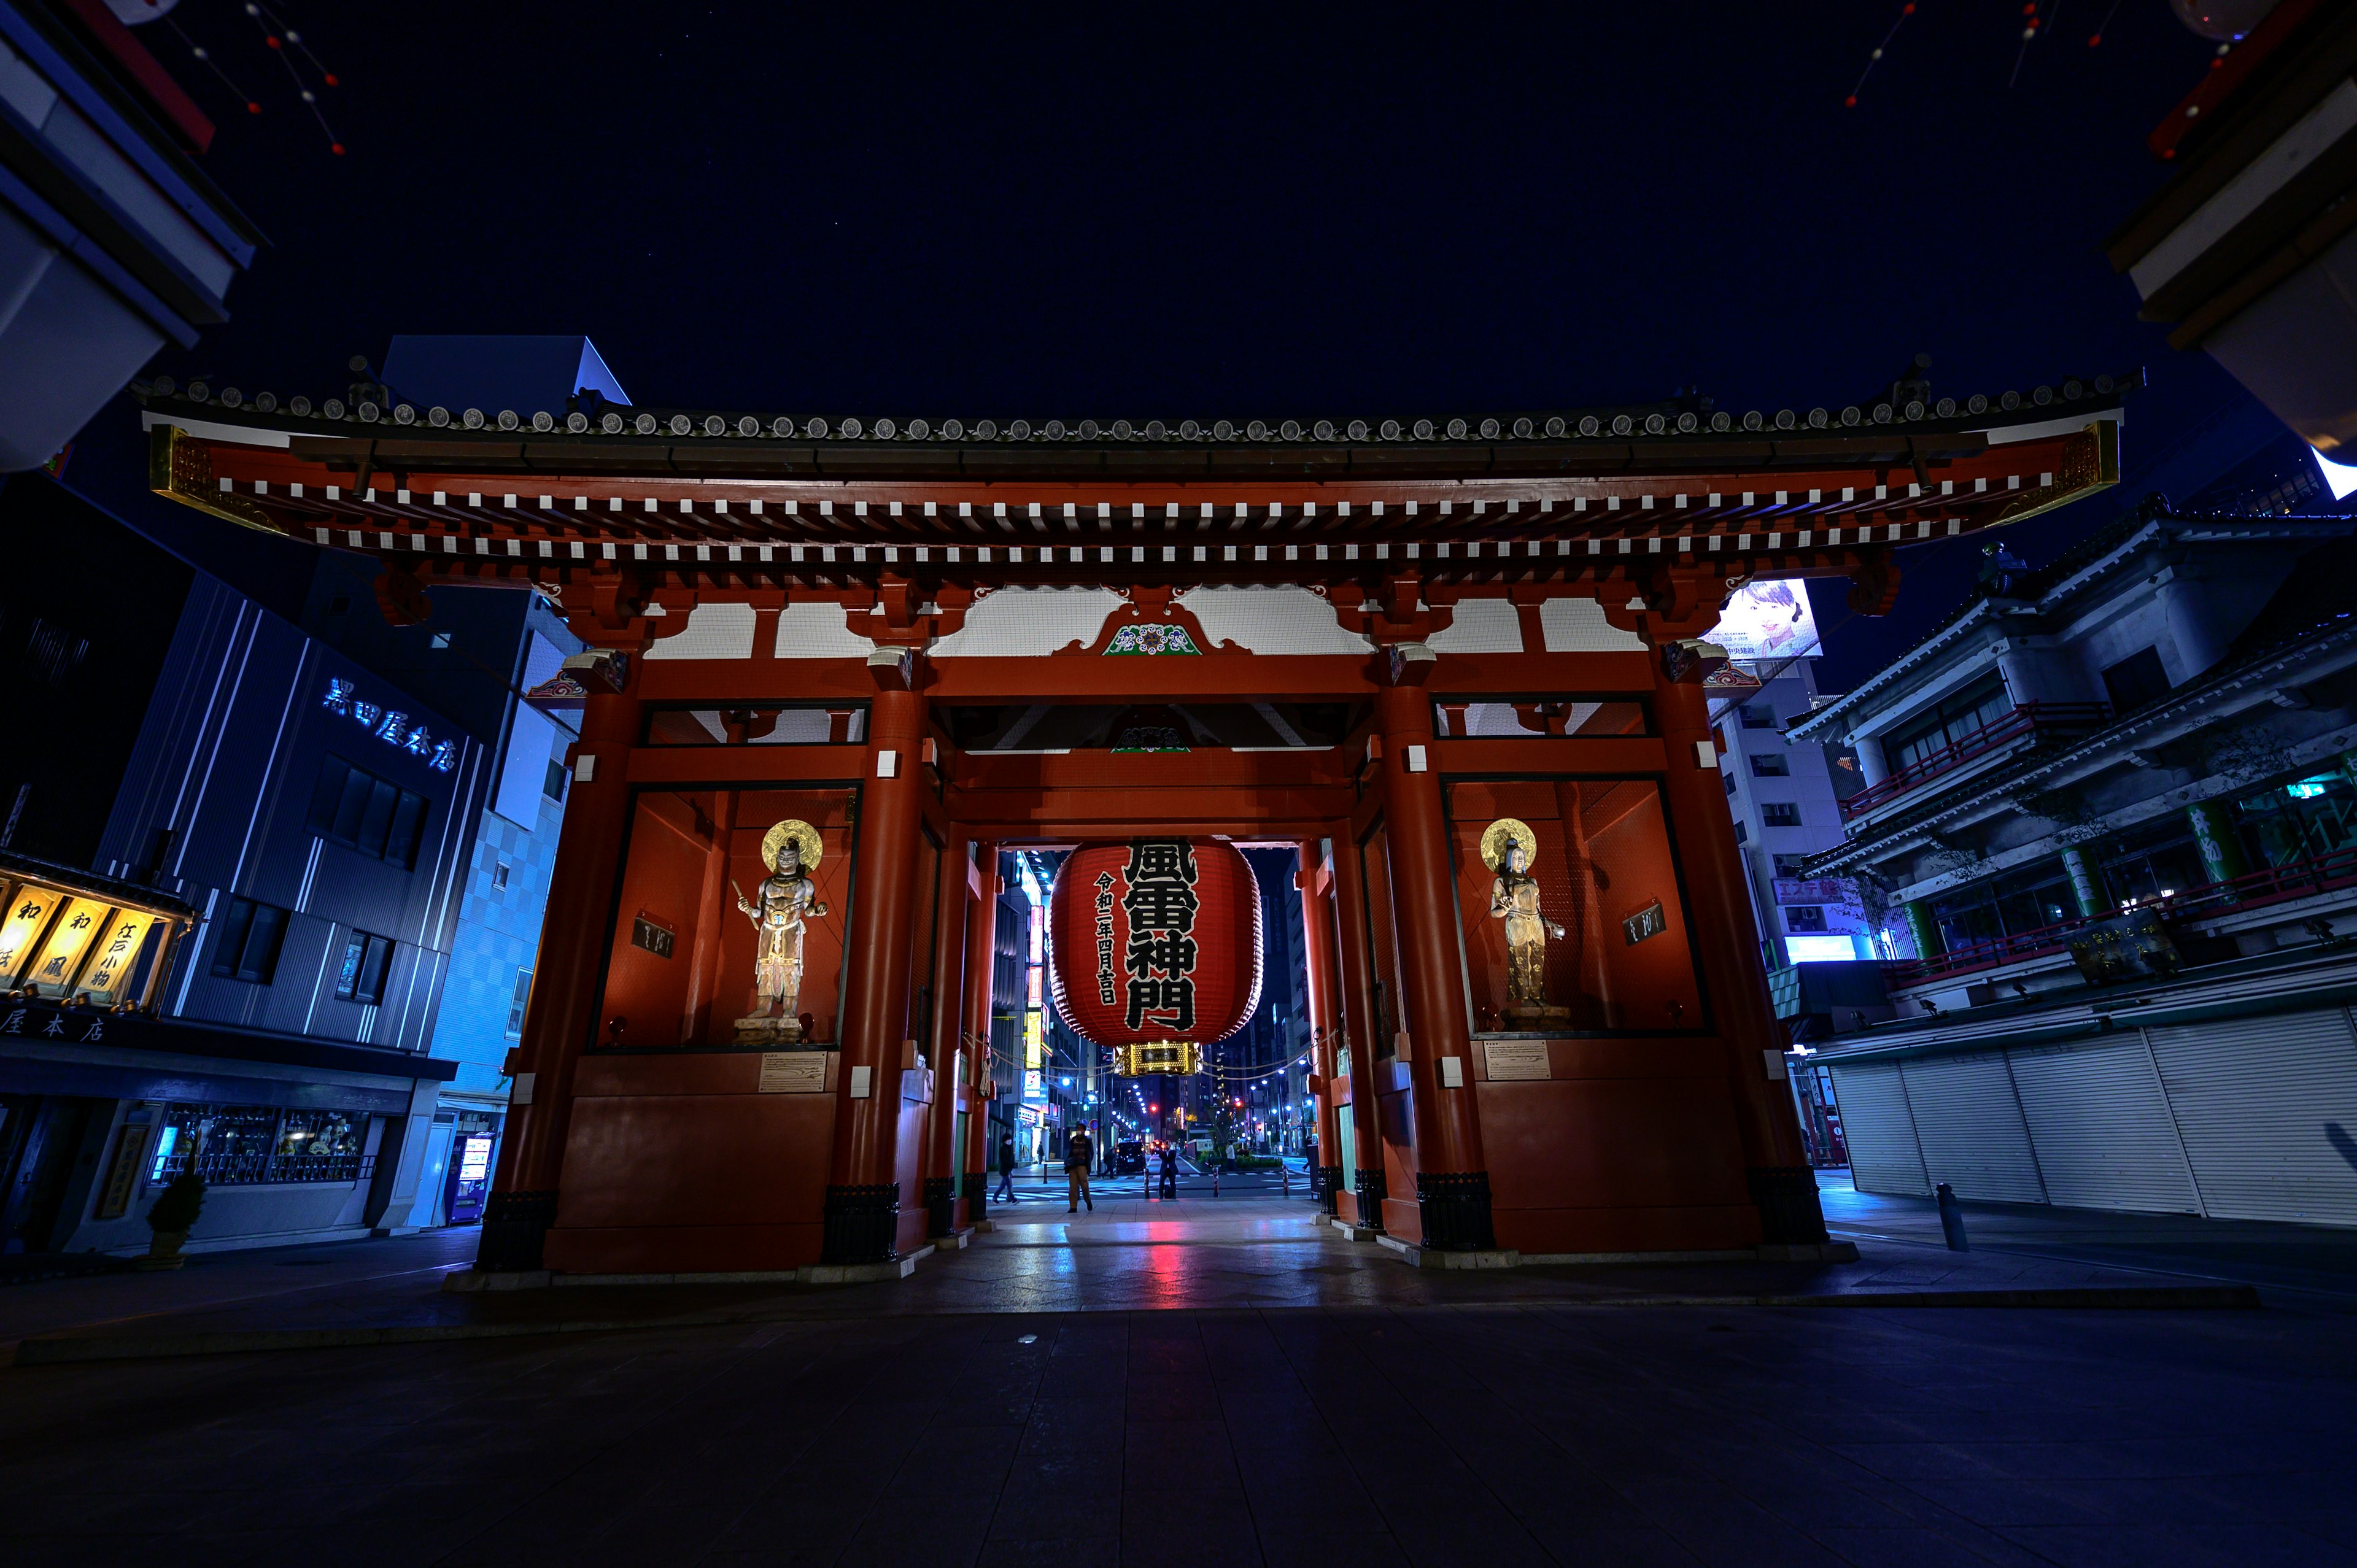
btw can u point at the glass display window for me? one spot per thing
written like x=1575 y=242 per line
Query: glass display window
x=730 y=926
x=1572 y=914
x=2298 y=820
x=1383 y=944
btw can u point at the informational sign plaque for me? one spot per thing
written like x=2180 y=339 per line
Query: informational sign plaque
x=793 y=1072
x=1517 y=1058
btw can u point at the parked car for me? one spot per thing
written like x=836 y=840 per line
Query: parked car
x=1129 y=1158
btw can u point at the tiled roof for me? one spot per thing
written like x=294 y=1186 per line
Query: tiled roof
x=1695 y=419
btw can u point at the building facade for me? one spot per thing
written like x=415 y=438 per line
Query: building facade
x=2110 y=825
x=361 y=894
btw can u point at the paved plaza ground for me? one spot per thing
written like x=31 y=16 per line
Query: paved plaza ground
x=1216 y=1381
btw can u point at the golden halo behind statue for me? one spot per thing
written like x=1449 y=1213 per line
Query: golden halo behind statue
x=1494 y=837
x=806 y=844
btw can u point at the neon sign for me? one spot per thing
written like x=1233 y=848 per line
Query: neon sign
x=390 y=725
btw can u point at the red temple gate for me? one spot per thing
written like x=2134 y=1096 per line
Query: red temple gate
x=1459 y=671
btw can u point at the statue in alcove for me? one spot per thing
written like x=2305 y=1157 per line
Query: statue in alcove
x=1508 y=847
x=780 y=903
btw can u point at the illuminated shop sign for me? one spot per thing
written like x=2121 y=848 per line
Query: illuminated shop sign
x=390 y=725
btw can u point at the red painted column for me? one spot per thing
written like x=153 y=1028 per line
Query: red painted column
x=1452 y=1182
x=1781 y=1184
x=863 y=1196
x=704 y=959
x=562 y=1017
x=980 y=951
x=1357 y=1013
x=1317 y=950
x=951 y=909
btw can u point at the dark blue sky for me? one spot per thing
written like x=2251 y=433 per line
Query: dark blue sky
x=1336 y=212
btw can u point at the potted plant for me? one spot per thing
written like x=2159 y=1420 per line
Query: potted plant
x=171 y=1216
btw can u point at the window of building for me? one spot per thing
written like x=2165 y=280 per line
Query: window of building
x=2303 y=819
x=516 y=1004
x=552 y=783
x=1789 y=866
x=499 y=875
x=1728 y=779
x=246 y=945
x=1770 y=765
x=1742 y=832
x=360 y=976
x=1805 y=917
x=2154 y=862
x=2029 y=899
x=354 y=807
x=1758 y=715
x=2137 y=681
x=1780 y=814
x=1947 y=723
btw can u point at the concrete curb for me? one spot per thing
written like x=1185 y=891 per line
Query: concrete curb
x=64 y=1349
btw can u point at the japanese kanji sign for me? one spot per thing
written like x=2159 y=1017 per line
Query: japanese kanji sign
x=1156 y=940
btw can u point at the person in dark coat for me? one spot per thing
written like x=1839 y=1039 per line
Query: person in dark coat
x=1078 y=1149
x=1169 y=1171
x=1006 y=1193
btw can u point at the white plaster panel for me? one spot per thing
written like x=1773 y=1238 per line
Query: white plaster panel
x=714 y=631
x=1029 y=623
x=819 y=631
x=1272 y=620
x=1481 y=626
x=1577 y=625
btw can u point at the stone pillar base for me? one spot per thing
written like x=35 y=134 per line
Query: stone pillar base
x=1786 y=1196
x=862 y=1224
x=1371 y=1193
x=515 y=1224
x=1454 y=1206
x=1329 y=1187
x=941 y=1205
x=977 y=1195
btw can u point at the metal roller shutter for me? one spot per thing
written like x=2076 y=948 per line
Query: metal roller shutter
x=1883 y=1156
x=2257 y=1102
x=1968 y=1123
x=2101 y=1126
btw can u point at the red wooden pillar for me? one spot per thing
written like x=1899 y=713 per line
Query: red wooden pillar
x=951 y=912
x=1356 y=1011
x=561 y=1016
x=862 y=1194
x=704 y=972
x=1452 y=1182
x=1782 y=1186
x=1317 y=950
x=981 y=961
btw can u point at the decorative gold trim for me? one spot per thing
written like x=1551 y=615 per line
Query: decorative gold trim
x=181 y=469
x=2090 y=462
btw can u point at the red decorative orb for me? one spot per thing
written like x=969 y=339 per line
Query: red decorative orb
x=1155 y=940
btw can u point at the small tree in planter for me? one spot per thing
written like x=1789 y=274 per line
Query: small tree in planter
x=172 y=1215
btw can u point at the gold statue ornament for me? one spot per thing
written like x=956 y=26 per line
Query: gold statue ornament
x=1508 y=847
x=782 y=901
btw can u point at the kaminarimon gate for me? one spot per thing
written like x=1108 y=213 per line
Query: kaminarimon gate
x=1419 y=653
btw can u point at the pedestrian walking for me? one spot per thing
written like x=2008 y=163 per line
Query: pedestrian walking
x=1006 y=1193
x=1169 y=1172
x=1077 y=1150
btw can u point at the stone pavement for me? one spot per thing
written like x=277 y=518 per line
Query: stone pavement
x=1341 y=1437
x=1236 y=1252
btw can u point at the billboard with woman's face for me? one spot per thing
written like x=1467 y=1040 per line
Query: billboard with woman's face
x=1765 y=621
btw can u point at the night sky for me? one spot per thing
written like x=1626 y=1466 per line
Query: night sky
x=1344 y=212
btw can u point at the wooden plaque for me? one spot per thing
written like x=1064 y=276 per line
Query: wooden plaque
x=793 y=1072
x=1517 y=1058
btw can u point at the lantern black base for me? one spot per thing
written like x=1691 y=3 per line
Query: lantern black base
x=1455 y=1208
x=1329 y=1187
x=1790 y=1212
x=862 y=1224
x=1372 y=1192
x=941 y=1205
x=515 y=1226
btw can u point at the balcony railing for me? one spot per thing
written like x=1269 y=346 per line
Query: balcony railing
x=258 y=1170
x=2302 y=880
x=2024 y=721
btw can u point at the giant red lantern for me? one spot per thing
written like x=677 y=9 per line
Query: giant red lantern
x=1155 y=940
